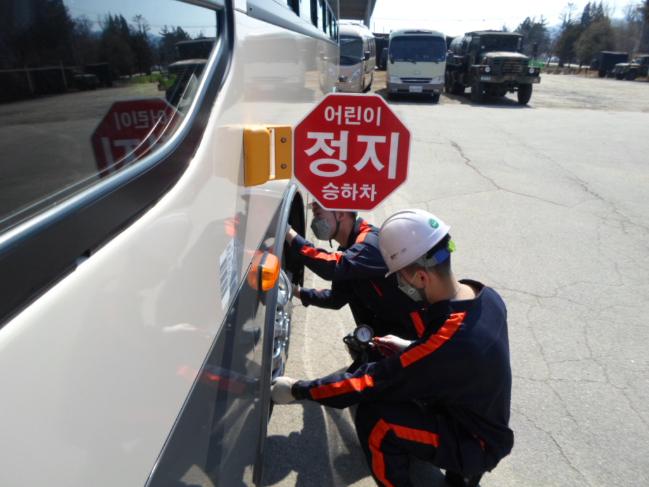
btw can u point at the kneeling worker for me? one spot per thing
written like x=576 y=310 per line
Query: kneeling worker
x=357 y=273
x=445 y=397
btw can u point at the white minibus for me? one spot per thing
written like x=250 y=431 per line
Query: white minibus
x=416 y=63
x=357 y=58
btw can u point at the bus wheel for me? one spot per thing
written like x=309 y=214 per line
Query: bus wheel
x=282 y=334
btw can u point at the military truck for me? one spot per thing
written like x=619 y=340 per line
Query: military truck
x=490 y=63
x=638 y=67
x=605 y=62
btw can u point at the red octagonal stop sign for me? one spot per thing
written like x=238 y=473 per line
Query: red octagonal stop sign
x=130 y=130
x=351 y=151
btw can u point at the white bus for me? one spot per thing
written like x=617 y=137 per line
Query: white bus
x=145 y=292
x=357 y=58
x=416 y=63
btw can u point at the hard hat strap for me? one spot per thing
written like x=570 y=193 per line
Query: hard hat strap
x=437 y=258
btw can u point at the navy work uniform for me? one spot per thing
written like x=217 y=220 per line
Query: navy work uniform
x=444 y=399
x=357 y=272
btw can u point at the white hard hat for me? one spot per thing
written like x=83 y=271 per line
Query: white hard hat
x=407 y=235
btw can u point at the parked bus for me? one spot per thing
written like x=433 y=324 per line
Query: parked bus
x=146 y=299
x=357 y=58
x=416 y=63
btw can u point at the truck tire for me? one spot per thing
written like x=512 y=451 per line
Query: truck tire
x=435 y=98
x=476 y=92
x=631 y=75
x=619 y=76
x=524 y=93
x=457 y=89
x=448 y=84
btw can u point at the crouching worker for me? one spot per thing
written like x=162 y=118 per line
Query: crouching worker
x=357 y=273
x=445 y=397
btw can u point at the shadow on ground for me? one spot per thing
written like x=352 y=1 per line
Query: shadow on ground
x=489 y=101
x=316 y=462
x=413 y=99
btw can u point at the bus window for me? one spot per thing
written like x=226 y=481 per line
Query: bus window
x=314 y=12
x=418 y=49
x=106 y=93
x=305 y=10
x=294 y=5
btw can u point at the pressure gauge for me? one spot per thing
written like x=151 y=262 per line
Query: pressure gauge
x=363 y=334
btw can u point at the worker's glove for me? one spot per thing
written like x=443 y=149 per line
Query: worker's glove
x=280 y=391
x=290 y=234
x=296 y=291
x=390 y=345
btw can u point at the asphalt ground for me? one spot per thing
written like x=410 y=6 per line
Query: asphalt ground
x=548 y=205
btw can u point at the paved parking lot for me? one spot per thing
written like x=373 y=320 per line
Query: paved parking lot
x=548 y=204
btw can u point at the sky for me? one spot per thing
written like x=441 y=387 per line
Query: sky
x=457 y=17
x=158 y=13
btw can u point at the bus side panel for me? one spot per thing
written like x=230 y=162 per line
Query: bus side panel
x=218 y=427
x=95 y=373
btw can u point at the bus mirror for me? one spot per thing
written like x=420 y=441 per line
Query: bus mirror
x=367 y=55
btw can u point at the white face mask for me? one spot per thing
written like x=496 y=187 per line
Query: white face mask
x=409 y=290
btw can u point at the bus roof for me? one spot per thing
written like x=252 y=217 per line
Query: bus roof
x=354 y=29
x=416 y=32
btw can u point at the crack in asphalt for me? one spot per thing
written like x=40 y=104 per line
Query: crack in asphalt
x=469 y=163
x=562 y=452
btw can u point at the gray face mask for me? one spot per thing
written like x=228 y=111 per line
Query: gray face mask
x=321 y=228
x=409 y=290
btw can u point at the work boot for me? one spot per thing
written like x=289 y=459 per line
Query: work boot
x=454 y=479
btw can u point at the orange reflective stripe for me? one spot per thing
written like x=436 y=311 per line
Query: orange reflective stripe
x=378 y=463
x=412 y=434
x=364 y=230
x=382 y=428
x=444 y=334
x=377 y=289
x=346 y=386
x=417 y=323
x=320 y=255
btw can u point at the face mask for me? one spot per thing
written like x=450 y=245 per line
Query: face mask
x=321 y=228
x=411 y=291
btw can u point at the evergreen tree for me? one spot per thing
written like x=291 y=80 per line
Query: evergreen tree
x=586 y=18
x=170 y=37
x=115 y=45
x=141 y=45
x=597 y=37
x=535 y=36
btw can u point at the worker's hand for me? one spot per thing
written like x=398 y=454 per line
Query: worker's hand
x=296 y=291
x=280 y=391
x=390 y=345
x=290 y=234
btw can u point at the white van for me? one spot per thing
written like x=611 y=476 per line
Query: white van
x=357 y=58
x=416 y=62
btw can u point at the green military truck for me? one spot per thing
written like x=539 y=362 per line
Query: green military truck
x=490 y=63
x=638 y=67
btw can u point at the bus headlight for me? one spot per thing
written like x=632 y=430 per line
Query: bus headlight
x=531 y=70
x=487 y=69
x=395 y=79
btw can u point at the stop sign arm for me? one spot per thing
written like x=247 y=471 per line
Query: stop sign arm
x=267 y=154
